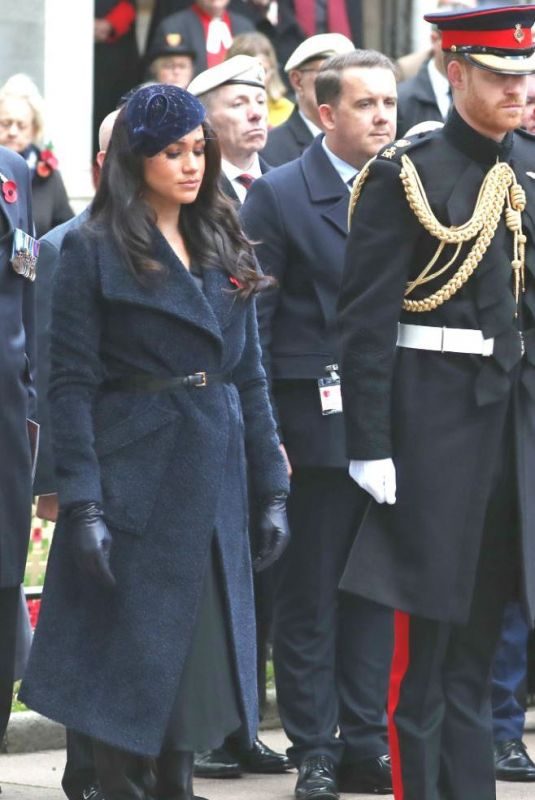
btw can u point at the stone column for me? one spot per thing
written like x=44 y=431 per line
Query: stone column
x=68 y=91
x=52 y=42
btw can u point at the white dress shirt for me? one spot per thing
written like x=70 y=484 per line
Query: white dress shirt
x=232 y=173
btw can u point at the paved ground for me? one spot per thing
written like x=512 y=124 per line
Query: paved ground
x=36 y=776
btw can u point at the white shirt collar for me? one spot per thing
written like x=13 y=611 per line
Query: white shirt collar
x=441 y=88
x=232 y=172
x=312 y=127
x=347 y=172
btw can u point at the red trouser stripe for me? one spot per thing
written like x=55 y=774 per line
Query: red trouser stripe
x=400 y=665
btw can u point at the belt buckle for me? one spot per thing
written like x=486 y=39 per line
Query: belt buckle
x=203 y=379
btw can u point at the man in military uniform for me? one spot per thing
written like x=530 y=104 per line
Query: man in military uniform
x=18 y=252
x=441 y=428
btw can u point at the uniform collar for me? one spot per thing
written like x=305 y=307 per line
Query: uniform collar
x=473 y=144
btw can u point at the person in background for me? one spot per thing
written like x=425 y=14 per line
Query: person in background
x=206 y=27
x=116 y=64
x=17 y=393
x=326 y=644
x=170 y=61
x=79 y=780
x=155 y=362
x=21 y=130
x=289 y=140
x=328 y=16
x=257 y=45
x=235 y=99
x=509 y=669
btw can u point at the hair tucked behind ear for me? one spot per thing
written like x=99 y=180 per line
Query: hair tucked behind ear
x=209 y=226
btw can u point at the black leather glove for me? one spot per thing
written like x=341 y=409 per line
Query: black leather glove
x=273 y=532
x=91 y=542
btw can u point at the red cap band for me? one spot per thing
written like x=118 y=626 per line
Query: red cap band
x=517 y=38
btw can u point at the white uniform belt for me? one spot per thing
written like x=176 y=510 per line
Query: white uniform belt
x=444 y=340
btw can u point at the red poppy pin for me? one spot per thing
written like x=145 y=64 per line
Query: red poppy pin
x=47 y=163
x=235 y=282
x=9 y=189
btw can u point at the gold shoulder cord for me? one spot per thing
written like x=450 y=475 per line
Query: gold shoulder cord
x=498 y=191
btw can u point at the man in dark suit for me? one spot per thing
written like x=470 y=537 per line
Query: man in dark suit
x=329 y=16
x=206 y=28
x=18 y=403
x=234 y=96
x=326 y=645
x=426 y=96
x=287 y=141
x=437 y=319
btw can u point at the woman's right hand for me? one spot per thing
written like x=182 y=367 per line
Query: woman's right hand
x=91 y=542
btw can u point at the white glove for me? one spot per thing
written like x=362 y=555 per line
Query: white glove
x=378 y=478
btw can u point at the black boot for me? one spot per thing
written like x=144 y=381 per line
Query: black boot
x=175 y=776
x=122 y=775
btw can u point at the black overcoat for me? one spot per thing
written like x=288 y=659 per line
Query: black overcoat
x=17 y=395
x=440 y=416
x=297 y=320
x=417 y=101
x=170 y=471
x=287 y=141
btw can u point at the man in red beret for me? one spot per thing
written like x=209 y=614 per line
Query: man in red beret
x=437 y=324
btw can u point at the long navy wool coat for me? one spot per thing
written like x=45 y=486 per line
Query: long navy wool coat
x=170 y=471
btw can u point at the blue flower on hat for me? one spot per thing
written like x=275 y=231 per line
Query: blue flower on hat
x=160 y=114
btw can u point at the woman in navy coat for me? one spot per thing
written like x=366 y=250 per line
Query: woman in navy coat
x=161 y=419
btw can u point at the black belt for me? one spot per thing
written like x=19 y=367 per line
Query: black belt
x=147 y=383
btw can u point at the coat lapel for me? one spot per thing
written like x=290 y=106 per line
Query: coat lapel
x=326 y=187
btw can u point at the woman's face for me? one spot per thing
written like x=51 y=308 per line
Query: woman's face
x=174 y=176
x=17 y=129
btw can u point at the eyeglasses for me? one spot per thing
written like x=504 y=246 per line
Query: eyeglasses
x=309 y=69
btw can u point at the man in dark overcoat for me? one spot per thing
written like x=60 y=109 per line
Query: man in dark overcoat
x=441 y=428
x=326 y=644
x=18 y=404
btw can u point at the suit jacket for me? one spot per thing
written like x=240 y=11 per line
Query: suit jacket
x=416 y=101
x=17 y=394
x=287 y=141
x=228 y=188
x=143 y=456
x=298 y=214
x=47 y=264
x=188 y=24
x=440 y=416
x=354 y=14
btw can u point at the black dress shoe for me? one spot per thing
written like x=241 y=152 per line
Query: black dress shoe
x=317 y=779
x=259 y=758
x=370 y=776
x=216 y=764
x=512 y=761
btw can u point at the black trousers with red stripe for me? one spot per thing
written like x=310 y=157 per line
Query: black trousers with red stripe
x=440 y=723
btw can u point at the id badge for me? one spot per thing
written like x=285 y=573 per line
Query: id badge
x=330 y=392
x=24 y=254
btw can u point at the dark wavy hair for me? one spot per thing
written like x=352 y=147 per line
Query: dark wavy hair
x=209 y=226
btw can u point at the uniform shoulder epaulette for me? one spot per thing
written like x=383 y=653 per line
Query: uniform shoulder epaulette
x=394 y=151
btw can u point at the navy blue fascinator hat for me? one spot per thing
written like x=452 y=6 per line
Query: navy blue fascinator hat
x=159 y=114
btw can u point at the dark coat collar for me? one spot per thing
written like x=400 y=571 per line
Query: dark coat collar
x=473 y=144
x=422 y=88
x=299 y=128
x=325 y=185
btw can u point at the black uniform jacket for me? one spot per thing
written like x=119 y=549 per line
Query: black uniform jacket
x=17 y=396
x=417 y=101
x=440 y=416
x=287 y=141
x=298 y=216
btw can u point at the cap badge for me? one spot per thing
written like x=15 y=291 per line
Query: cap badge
x=173 y=39
x=519 y=33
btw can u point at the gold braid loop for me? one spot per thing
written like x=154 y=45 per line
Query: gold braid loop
x=498 y=189
x=357 y=189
